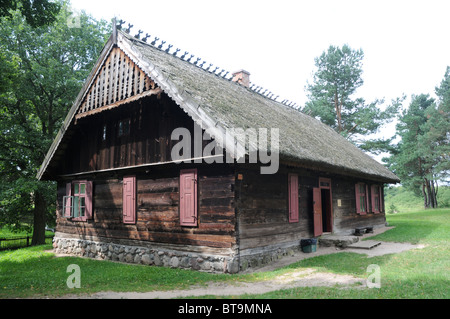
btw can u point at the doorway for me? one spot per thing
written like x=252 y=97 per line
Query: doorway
x=323 y=210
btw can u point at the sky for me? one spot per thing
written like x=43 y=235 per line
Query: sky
x=406 y=43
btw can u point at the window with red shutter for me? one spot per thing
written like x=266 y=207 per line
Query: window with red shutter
x=78 y=200
x=129 y=200
x=188 y=197
x=293 y=198
x=361 y=198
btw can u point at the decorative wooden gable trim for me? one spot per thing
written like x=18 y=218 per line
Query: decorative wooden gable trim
x=119 y=81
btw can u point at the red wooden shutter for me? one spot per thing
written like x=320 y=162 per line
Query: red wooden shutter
x=67 y=208
x=129 y=200
x=317 y=207
x=188 y=197
x=293 y=197
x=88 y=203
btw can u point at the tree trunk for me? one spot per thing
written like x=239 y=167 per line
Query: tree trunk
x=425 y=197
x=434 y=195
x=39 y=219
x=430 y=200
x=338 y=112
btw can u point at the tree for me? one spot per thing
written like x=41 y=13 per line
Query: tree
x=408 y=161
x=434 y=144
x=45 y=68
x=422 y=156
x=436 y=141
x=331 y=97
x=36 y=12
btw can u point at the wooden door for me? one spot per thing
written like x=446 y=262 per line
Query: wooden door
x=188 y=197
x=317 y=208
x=129 y=200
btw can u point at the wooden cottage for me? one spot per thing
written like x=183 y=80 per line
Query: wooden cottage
x=122 y=195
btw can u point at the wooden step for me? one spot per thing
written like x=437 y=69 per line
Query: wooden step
x=365 y=244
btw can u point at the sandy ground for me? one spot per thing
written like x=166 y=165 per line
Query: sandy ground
x=301 y=278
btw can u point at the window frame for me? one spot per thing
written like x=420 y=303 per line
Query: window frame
x=75 y=204
x=123 y=127
x=361 y=191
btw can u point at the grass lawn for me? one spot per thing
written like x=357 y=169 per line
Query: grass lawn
x=424 y=273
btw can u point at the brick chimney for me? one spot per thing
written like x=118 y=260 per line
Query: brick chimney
x=242 y=77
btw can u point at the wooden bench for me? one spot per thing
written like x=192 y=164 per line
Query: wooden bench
x=359 y=231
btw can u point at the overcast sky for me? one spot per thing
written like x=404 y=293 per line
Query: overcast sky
x=406 y=43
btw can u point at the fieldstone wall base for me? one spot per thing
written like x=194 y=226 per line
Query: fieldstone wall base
x=158 y=256
x=145 y=255
x=257 y=260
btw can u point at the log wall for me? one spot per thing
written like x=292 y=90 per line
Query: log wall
x=157 y=212
x=262 y=208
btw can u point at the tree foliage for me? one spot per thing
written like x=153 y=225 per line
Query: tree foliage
x=332 y=97
x=36 y=12
x=43 y=69
x=422 y=158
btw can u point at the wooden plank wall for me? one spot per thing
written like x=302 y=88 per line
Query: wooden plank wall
x=152 y=120
x=345 y=217
x=158 y=210
x=262 y=208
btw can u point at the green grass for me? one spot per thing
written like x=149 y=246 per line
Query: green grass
x=420 y=273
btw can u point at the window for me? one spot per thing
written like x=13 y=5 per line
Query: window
x=376 y=199
x=293 y=197
x=361 y=198
x=77 y=203
x=104 y=132
x=123 y=128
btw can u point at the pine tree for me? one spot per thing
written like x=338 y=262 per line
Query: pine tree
x=331 y=98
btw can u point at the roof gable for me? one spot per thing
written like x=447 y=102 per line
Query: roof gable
x=118 y=81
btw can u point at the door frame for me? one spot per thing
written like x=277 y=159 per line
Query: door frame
x=324 y=183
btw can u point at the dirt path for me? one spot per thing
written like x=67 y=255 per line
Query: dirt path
x=303 y=278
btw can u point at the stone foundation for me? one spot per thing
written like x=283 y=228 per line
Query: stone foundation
x=252 y=259
x=159 y=256
x=146 y=255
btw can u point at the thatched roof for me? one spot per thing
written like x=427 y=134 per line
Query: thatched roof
x=217 y=104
